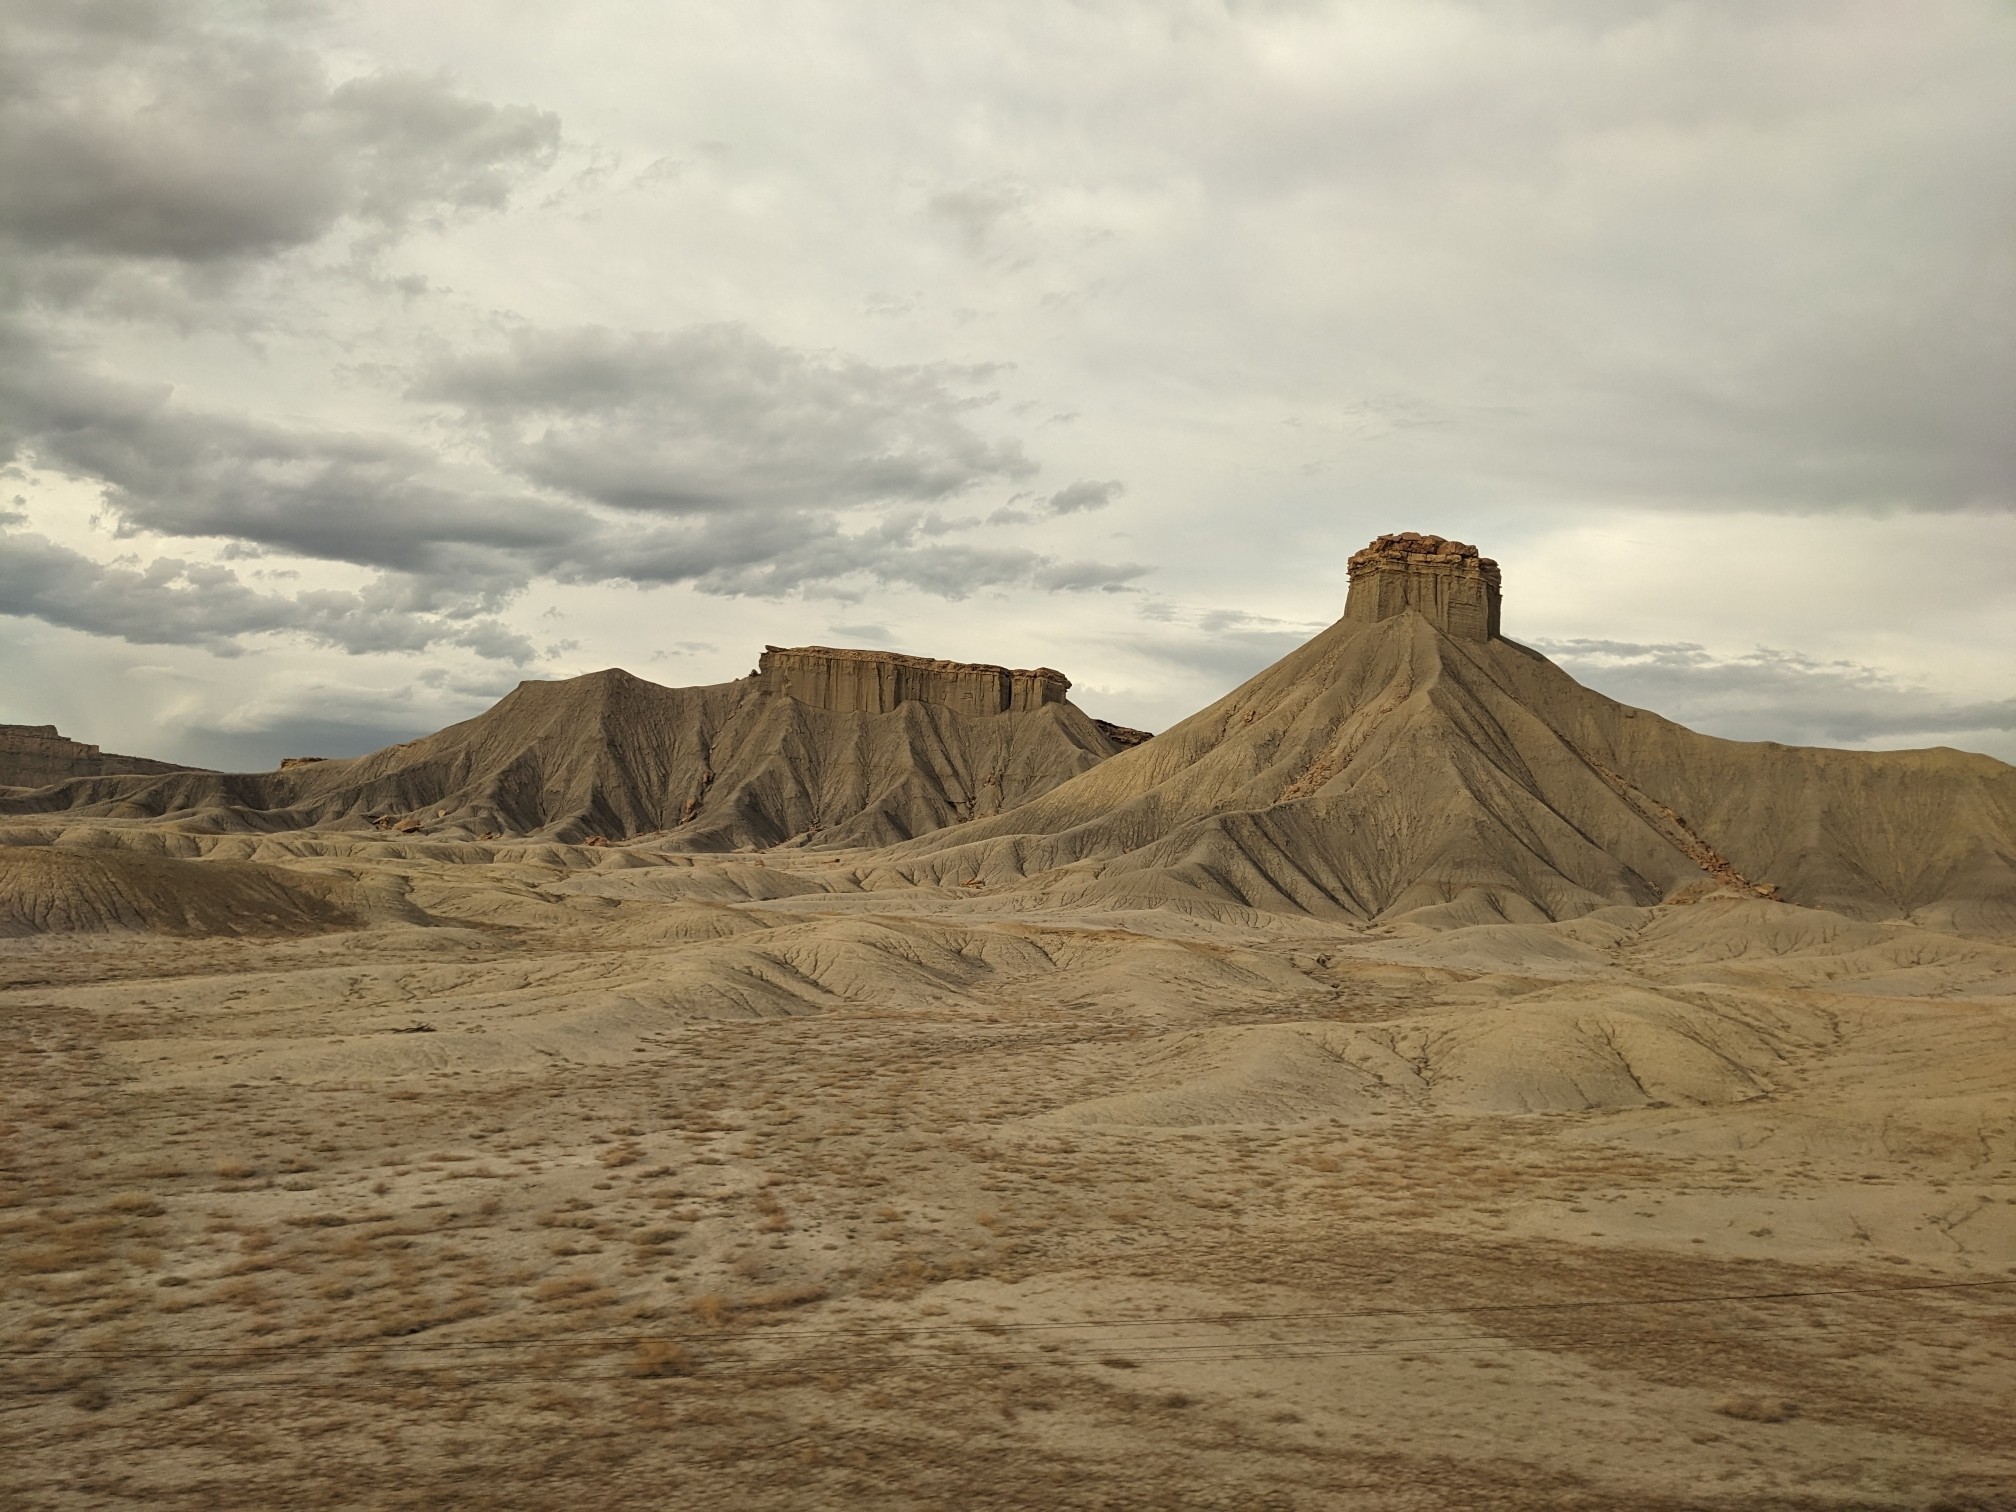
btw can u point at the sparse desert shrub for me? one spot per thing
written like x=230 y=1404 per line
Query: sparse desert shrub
x=712 y=1308
x=661 y=1357
x=1758 y=1409
x=797 y=1294
x=553 y=1288
x=236 y=1170
x=136 y=1204
x=1119 y=1362
x=93 y=1397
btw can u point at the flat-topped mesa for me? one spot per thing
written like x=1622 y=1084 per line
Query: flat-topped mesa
x=875 y=682
x=32 y=755
x=1445 y=580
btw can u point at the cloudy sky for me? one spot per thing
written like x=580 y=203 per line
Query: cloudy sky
x=358 y=360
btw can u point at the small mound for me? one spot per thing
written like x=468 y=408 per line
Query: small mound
x=1566 y=1048
x=45 y=891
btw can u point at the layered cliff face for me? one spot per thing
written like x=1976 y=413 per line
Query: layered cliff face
x=35 y=755
x=1446 y=582
x=875 y=682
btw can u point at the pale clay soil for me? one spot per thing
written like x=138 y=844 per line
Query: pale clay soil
x=693 y=1195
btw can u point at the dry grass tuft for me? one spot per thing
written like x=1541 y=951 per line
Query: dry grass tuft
x=555 y=1288
x=1758 y=1409
x=661 y=1357
x=777 y=1297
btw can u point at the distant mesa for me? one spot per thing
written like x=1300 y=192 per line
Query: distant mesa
x=819 y=746
x=875 y=682
x=36 y=755
x=1446 y=582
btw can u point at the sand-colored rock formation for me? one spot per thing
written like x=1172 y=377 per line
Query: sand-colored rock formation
x=1446 y=582
x=820 y=747
x=1406 y=763
x=875 y=682
x=35 y=755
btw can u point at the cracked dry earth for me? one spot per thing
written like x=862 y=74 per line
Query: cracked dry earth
x=645 y=1187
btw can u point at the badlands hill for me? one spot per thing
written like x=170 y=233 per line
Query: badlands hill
x=1410 y=761
x=818 y=745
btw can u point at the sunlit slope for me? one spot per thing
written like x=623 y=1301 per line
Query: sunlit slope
x=1388 y=768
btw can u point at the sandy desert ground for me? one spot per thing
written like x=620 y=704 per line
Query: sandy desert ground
x=533 y=1176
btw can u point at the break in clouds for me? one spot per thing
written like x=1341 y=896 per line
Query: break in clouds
x=337 y=329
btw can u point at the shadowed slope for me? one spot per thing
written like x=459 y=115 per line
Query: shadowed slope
x=56 y=890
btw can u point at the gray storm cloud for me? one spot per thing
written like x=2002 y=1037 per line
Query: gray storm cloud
x=153 y=132
x=175 y=602
x=716 y=419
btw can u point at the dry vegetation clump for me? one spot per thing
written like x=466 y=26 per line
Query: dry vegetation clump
x=662 y=1357
x=569 y=1288
x=1758 y=1409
